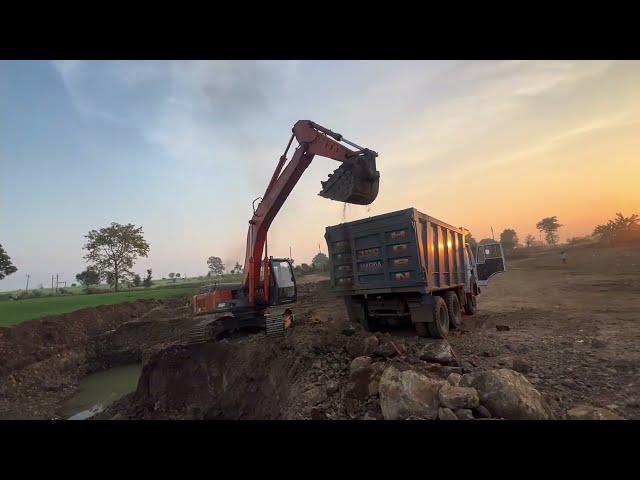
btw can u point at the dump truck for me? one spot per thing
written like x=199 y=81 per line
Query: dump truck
x=408 y=267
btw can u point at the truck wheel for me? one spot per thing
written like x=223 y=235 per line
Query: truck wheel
x=439 y=328
x=471 y=307
x=453 y=306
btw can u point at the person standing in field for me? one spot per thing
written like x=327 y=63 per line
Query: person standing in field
x=563 y=256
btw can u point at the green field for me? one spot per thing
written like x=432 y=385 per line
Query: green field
x=13 y=312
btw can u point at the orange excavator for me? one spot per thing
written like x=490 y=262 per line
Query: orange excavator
x=271 y=281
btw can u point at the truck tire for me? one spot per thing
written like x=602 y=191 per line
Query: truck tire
x=439 y=328
x=453 y=306
x=471 y=307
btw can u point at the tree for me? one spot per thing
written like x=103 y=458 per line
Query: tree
x=137 y=280
x=114 y=249
x=6 y=267
x=509 y=239
x=237 y=269
x=320 y=261
x=549 y=226
x=147 y=280
x=171 y=275
x=177 y=275
x=529 y=240
x=88 y=277
x=621 y=229
x=216 y=267
x=471 y=241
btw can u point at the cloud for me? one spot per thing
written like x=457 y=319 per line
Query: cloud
x=73 y=74
x=224 y=124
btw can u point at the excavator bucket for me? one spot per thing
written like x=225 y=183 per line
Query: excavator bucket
x=356 y=182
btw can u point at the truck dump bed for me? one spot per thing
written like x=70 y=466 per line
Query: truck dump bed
x=403 y=251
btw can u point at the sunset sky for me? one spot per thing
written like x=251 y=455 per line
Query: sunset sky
x=182 y=148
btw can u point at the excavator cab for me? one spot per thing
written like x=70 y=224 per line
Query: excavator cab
x=282 y=282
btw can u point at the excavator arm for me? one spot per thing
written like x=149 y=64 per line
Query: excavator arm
x=355 y=181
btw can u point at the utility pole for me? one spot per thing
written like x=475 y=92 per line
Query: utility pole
x=492 y=235
x=52 y=284
x=290 y=257
x=27 y=289
x=57 y=283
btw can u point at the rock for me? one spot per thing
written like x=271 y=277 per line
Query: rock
x=332 y=388
x=446 y=414
x=317 y=414
x=335 y=367
x=351 y=407
x=508 y=394
x=407 y=393
x=586 y=412
x=388 y=348
x=446 y=371
x=454 y=379
x=348 y=331
x=521 y=365
x=439 y=351
x=365 y=382
x=317 y=364
x=595 y=343
x=482 y=412
x=413 y=417
x=361 y=384
x=458 y=397
x=503 y=328
x=314 y=396
x=464 y=414
x=430 y=367
x=361 y=345
x=118 y=416
x=369 y=416
x=567 y=382
x=359 y=362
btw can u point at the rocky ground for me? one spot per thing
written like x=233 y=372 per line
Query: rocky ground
x=326 y=368
x=549 y=341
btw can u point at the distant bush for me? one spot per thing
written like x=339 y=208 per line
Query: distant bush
x=574 y=241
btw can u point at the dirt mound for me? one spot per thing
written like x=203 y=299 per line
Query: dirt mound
x=249 y=378
x=167 y=312
x=37 y=340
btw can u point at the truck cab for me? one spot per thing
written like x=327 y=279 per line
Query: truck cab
x=479 y=269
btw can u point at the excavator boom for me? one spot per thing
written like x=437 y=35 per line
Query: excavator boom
x=243 y=305
x=355 y=181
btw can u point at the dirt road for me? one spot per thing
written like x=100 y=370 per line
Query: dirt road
x=574 y=329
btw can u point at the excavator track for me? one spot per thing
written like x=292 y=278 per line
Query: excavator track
x=199 y=333
x=209 y=328
x=275 y=326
